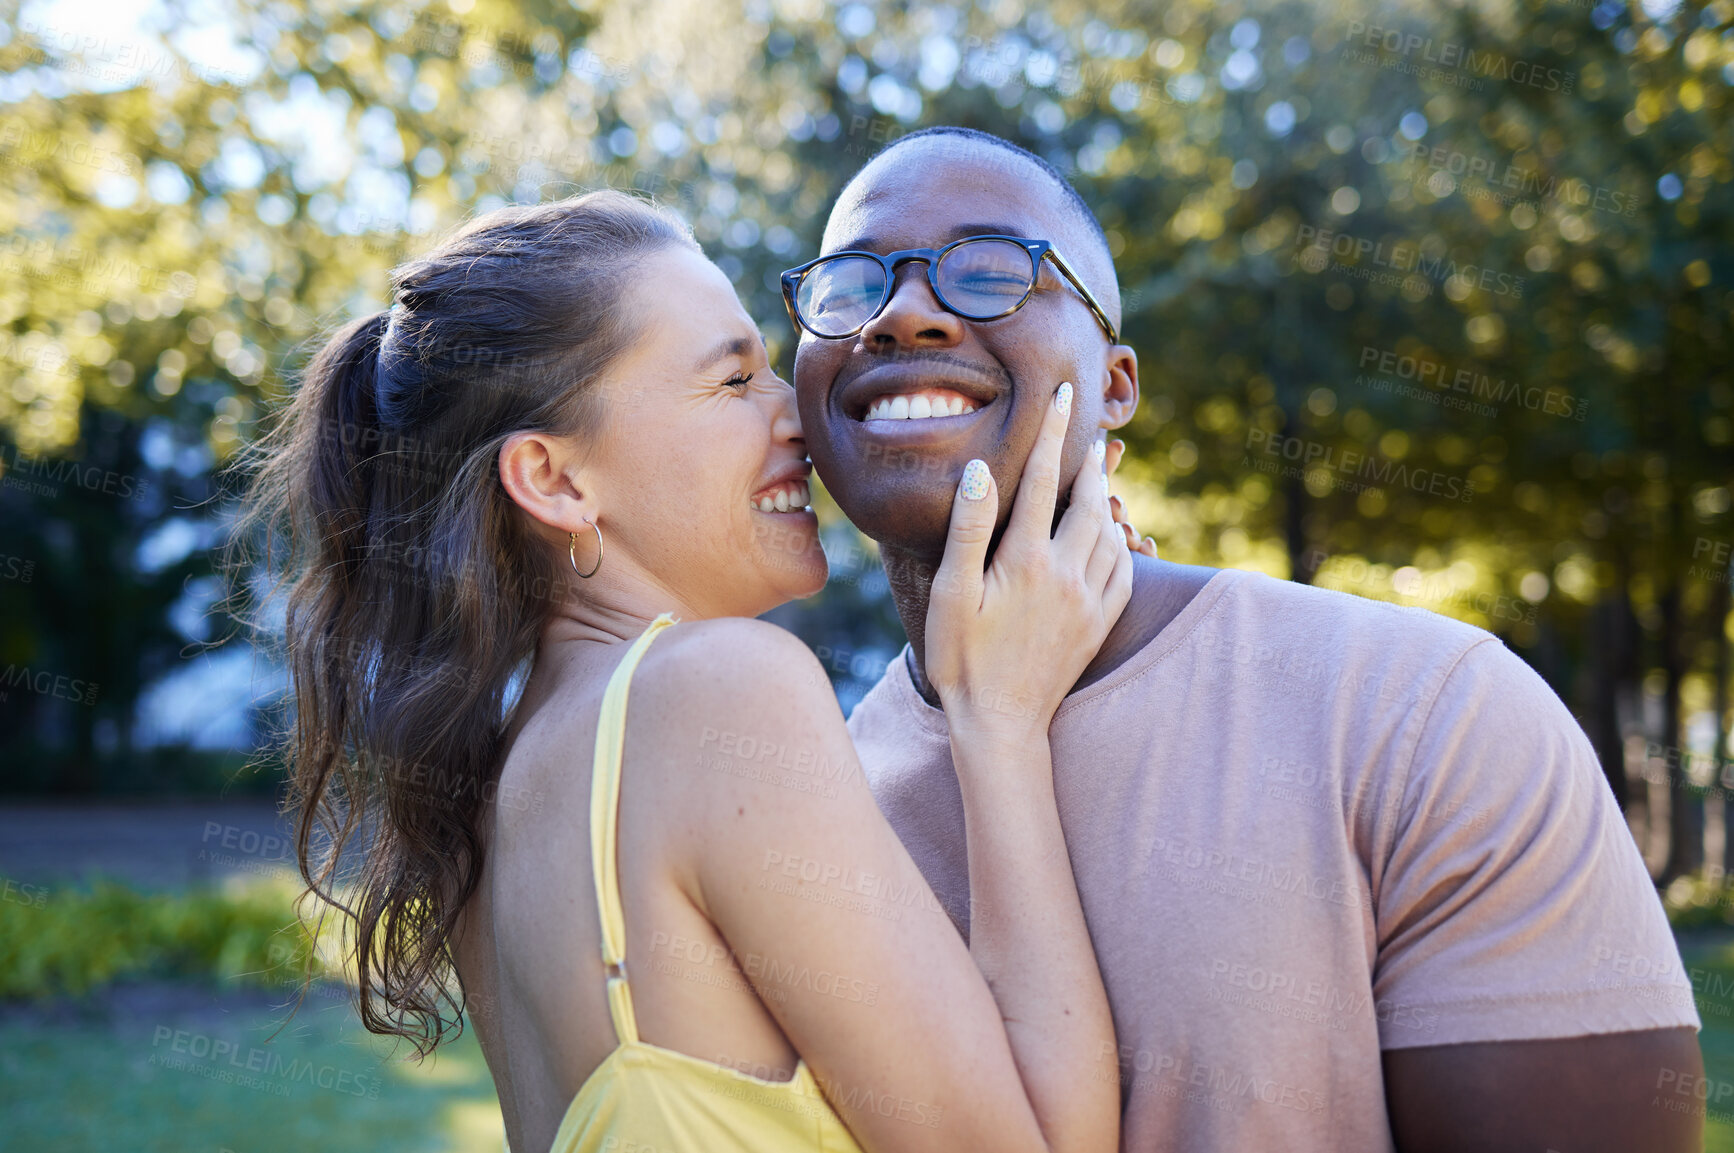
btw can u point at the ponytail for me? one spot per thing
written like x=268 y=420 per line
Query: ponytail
x=339 y=396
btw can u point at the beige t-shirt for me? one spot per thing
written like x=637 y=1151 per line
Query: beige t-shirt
x=1307 y=827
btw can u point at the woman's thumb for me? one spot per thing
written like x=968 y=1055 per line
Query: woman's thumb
x=973 y=509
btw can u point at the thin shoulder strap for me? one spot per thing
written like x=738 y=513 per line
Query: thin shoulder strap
x=604 y=817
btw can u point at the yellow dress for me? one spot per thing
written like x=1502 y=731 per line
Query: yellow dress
x=647 y=1099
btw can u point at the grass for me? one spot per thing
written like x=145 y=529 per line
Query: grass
x=173 y=1080
x=1711 y=966
x=160 y=1022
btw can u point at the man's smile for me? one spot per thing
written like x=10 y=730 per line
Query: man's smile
x=920 y=399
x=928 y=404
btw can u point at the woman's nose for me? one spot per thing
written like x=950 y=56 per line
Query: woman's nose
x=786 y=425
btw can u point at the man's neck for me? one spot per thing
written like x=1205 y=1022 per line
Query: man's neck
x=1160 y=590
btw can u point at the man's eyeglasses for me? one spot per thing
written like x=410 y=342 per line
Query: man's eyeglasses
x=977 y=278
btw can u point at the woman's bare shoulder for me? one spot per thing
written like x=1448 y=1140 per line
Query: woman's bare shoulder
x=736 y=710
x=731 y=655
x=726 y=681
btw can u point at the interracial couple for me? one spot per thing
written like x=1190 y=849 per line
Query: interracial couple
x=1118 y=853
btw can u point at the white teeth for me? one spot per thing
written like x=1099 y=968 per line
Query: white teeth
x=918 y=407
x=792 y=498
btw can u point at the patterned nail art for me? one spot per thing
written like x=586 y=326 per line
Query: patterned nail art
x=1102 y=452
x=974 y=482
x=1063 y=398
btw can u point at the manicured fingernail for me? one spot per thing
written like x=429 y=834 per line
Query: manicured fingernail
x=973 y=486
x=1101 y=453
x=1063 y=398
x=1105 y=490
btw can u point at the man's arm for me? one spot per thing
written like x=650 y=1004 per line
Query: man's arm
x=1516 y=910
x=1641 y=1092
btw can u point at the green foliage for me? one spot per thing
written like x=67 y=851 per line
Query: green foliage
x=1699 y=902
x=178 y=248
x=68 y=941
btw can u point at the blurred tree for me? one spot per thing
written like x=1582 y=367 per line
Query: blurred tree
x=1431 y=306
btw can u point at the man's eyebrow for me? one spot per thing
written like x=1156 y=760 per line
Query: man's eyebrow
x=1000 y=229
x=731 y=346
x=956 y=232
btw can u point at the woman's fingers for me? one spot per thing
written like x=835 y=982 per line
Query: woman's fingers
x=1128 y=533
x=1109 y=546
x=1032 y=621
x=973 y=507
x=1119 y=592
x=1032 y=515
x=1087 y=511
x=1133 y=539
x=1113 y=452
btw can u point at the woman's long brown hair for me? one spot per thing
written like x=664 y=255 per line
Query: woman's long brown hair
x=415 y=586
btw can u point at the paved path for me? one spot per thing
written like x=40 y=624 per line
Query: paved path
x=148 y=844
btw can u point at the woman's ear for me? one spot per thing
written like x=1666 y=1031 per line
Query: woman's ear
x=1119 y=386
x=542 y=475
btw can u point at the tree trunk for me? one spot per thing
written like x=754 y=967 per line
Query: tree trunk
x=1281 y=359
x=1611 y=651
x=1685 y=813
x=1301 y=564
x=1721 y=705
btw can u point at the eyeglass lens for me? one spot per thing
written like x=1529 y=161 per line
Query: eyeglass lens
x=979 y=280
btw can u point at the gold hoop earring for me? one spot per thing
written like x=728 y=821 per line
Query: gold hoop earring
x=572 y=551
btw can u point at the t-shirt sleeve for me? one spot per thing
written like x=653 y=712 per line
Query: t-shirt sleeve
x=1514 y=904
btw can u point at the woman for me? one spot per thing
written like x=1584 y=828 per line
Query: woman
x=563 y=438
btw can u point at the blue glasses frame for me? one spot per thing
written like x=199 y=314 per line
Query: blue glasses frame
x=1037 y=250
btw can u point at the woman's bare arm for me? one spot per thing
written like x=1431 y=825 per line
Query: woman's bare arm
x=820 y=902
x=1006 y=1045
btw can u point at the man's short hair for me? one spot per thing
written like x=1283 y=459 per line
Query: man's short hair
x=1074 y=202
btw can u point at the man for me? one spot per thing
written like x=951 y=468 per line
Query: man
x=1353 y=875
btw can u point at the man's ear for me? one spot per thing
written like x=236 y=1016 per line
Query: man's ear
x=1119 y=386
x=541 y=474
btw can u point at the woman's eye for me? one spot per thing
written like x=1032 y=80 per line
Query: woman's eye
x=739 y=380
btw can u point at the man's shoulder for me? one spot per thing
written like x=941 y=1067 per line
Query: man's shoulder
x=1286 y=614
x=1334 y=645
x=1249 y=635
x=1261 y=630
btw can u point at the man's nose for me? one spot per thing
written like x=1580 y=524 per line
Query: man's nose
x=913 y=317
